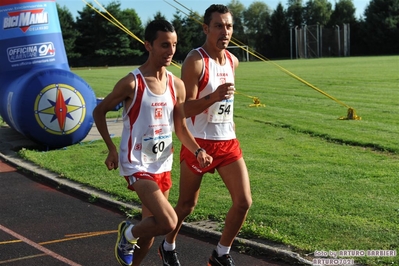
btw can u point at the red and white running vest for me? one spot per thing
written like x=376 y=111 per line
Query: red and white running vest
x=146 y=142
x=216 y=122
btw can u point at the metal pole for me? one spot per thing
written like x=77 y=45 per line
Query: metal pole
x=349 y=39
x=296 y=42
x=305 y=47
x=291 y=42
x=321 y=41
x=318 y=40
x=339 y=41
x=345 y=41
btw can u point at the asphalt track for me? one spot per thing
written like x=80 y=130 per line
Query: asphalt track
x=41 y=225
x=48 y=221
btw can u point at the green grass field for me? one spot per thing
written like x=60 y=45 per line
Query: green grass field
x=318 y=182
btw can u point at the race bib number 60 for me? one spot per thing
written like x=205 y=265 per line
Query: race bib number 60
x=156 y=148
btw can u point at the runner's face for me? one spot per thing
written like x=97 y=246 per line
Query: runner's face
x=164 y=47
x=220 y=29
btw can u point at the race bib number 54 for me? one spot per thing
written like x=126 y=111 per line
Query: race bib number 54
x=221 y=112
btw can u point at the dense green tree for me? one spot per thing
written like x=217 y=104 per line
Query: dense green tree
x=257 y=20
x=344 y=12
x=133 y=24
x=114 y=36
x=237 y=8
x=190 y=34
x=88 y=24
x=104 y=37
x=116 y=42
x=280 y=36
x=157 y=15
x=295 y=13
x=317 y=12
x=239 y=36
x=381 y=26
x=177 y=22
x=69 y=32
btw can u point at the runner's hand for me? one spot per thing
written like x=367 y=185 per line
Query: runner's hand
x=204 y=159
x=225 y=91
x=112 y=160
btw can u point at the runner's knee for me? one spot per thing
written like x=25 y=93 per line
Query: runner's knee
x=168 y=224
x=242 y=204
x=185 y=208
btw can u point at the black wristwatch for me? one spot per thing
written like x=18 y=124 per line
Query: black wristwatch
x=198 y=151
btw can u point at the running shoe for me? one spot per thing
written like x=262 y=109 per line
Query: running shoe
x=169 y=258
x=225 y=260
x=123 y=248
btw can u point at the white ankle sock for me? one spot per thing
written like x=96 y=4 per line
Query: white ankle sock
x=222 y=250
x=169 y=247
x=129 y=235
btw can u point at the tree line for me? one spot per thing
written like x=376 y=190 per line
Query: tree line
x=98 y=38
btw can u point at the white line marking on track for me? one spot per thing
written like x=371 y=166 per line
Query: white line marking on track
x=39 y=247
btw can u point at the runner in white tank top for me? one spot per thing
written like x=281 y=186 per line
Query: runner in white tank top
x=208 y=75
x=146 y=143
x=153 y=108
x=216 y=122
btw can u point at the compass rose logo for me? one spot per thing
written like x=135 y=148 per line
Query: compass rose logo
x=60 y=109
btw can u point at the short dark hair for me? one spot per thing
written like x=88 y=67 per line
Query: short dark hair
x=157 y=25
x=222 y=9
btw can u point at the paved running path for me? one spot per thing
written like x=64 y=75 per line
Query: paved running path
x=40 y=225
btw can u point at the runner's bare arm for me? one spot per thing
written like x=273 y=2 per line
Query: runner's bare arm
x=190 y=74
x=181 y=129
x=123 y=91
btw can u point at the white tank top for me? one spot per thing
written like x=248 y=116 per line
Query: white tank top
x=146 y=142
x=216 y=122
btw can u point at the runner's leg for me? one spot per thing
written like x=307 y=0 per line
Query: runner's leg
x=235 y=176
x=189 y=188
x=164 y=218
x=145 y=243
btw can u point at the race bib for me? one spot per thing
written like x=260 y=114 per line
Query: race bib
x=221 y=112
x=156 y=148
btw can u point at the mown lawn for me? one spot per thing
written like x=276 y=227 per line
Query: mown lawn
x=318 y=182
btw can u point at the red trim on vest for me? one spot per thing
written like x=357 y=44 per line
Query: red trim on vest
x=230 y=59
x=171 y=89
x=135 y=110
x=205 y=78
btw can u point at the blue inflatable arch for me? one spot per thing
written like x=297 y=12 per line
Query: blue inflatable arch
x=39 y=96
